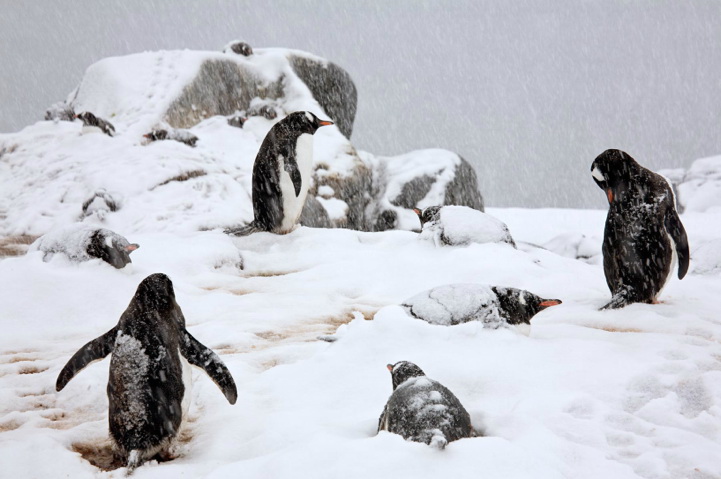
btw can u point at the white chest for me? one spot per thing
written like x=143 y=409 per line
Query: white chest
x=292 y=204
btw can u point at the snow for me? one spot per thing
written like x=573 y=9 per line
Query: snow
x=461 y=225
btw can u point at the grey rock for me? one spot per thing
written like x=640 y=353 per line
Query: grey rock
x=314 y=215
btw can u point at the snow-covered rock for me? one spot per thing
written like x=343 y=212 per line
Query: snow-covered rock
x=706 y=257
x=698 y=188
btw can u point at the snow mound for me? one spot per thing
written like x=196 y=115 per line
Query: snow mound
x=699 y=188
x=455 y=304
x=460 y=225
x=706 y=258
x=577 y=246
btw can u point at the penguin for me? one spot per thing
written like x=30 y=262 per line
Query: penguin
x=643 y=238
x=237 y=120
x=264 y=110
x=182 y=136
x=80 y=242
x=146 y=385
x=423 y=410
x=238 y=47
x=461 y=225
x=281 y=174
x=494 y=306
x=90 y=121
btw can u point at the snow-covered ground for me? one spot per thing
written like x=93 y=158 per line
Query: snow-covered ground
x=628 y=393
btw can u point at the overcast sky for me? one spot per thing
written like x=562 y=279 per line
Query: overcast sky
x=528 y=91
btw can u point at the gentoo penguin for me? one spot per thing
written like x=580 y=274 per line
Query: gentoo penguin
x=90 y=120
x=644 y=237
x=281 y=174
x=461 y=225
x=145 y=384
x=80 y=242
x=423 y=410
x=237 y=120
x=264 y=110
x=182 y=136
x=494 y=306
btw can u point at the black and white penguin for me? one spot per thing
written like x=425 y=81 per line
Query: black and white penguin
x=461 y=225
x=423 y=410
x=182 y=136
x=80 y=242
x=494 y=306
x=282 y=173
x=92 y=121
x=644 y=237
x=146 y=383
x=238 y=47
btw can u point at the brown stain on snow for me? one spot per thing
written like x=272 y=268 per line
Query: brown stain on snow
x=15 y=245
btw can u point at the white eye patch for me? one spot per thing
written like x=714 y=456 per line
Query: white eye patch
x=521 y=299
x=309 y=116
x=597 y=174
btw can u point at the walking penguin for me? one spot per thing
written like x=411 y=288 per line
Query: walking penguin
x=644 y=237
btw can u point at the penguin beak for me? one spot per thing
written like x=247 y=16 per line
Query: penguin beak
x=132 y=247
x=609 y=194
x=325 y=123
x=546 y=303
x=390 y=367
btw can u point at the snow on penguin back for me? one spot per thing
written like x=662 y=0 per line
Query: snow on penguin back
x=80 y=242
x=423 y=410
x=461 y=225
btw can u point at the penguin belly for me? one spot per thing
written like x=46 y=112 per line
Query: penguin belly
x=292 y=204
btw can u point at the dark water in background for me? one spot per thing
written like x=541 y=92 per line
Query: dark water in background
x=528 y=91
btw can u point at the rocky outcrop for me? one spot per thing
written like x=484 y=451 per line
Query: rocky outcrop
x=699 y=187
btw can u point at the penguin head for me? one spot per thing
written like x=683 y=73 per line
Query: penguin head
x=519 y=306
x=613 y=171
x=111 y=248
x=402 y=371
x=429 y=214
x=156 y=135
x=87 y=118
x=303 y=122
x=241 y=48
x=156 y=293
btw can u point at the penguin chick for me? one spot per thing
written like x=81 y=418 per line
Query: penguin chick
x=423 y=410
x=461 y=225
x=643 y=238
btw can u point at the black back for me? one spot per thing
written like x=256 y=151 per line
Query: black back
x=637 y=252
x=89 y=119
x=280 y=140
x=423 y=410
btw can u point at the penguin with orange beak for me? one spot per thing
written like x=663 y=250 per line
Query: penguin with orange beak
x=644 y=238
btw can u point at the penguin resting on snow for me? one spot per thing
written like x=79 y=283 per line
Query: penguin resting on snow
x=281 y=174
x=146 y=387
x=91 y=121
x=80 y=242
x=494 y=306
x=423 y=410
x=644 y=237
x=461 y=225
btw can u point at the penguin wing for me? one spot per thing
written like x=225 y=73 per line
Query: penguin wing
x=93 y=351
x=291 y=166
x=200 y=355
x=675 y=229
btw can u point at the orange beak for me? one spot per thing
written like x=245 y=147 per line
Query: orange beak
x=132 y=247
x=390 y=367
x=550 y=302
x=609 y=194
x=325 y=123
x=417 y=211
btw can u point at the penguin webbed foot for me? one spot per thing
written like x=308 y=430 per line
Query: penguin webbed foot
x=617 y=302
x=242 y=230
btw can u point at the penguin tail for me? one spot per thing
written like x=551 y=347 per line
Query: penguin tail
x=246 y=230
x=135 y=459
x=438 y=441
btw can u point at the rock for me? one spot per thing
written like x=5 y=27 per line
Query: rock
x=60 y=111
x=707 y=258
x=700 y=188
x=314 y=215
x=332 y=87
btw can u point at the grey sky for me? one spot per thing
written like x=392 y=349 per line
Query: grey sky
x=528 y=91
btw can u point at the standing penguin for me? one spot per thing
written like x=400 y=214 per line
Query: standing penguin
x=281 y=174
x=146 y=385
x=423 y=410
x=644 y=237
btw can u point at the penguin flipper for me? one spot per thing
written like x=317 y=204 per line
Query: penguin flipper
x=203 y=357
x=93 y=351
x=292 y=168
x=675 y=229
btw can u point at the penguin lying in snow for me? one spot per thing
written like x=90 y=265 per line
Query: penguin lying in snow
x=80 y=242
x=92 y=121
x=644 y=237
x=281 y=174
x=461 y=225
x=423 y=410
x=146 y=389
x=494 y=306
x=238 y=47
x=182 y=136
